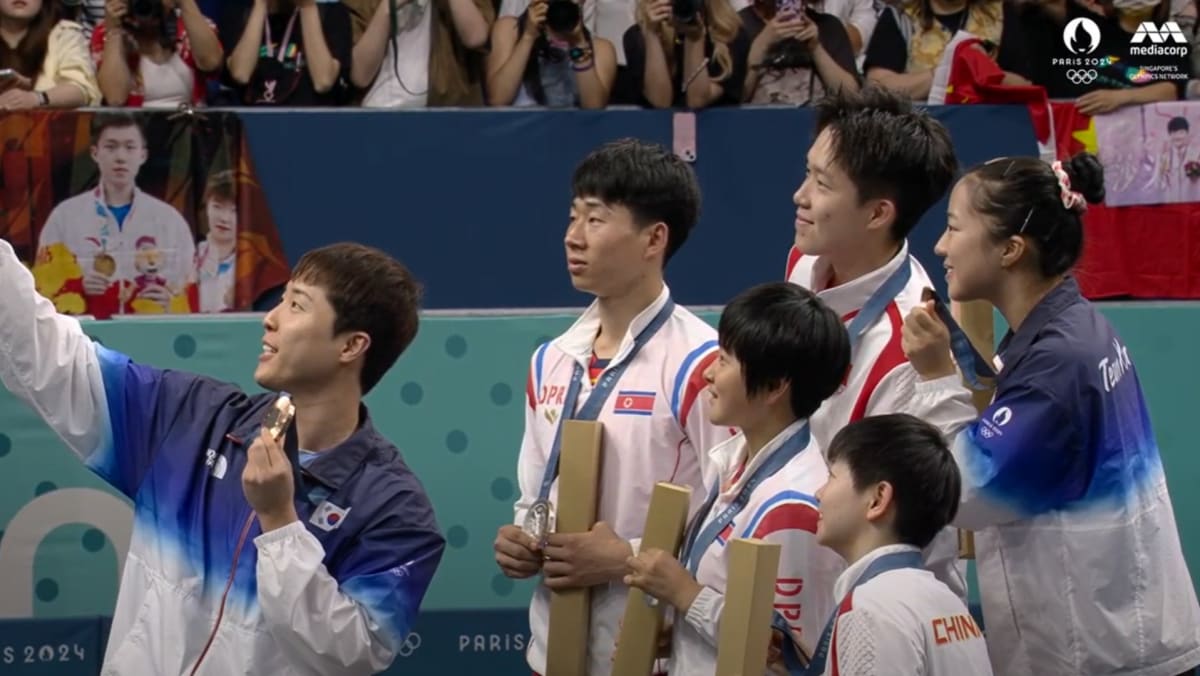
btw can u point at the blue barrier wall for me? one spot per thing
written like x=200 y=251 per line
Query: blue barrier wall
x=476 y=201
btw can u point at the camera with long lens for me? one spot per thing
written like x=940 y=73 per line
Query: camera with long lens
x=562 y=16
x=686 y=12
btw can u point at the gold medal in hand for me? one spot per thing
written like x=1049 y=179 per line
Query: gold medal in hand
x=105 y=264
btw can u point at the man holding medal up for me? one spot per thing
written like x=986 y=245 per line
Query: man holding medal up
x=633 y=361
x=257 y=547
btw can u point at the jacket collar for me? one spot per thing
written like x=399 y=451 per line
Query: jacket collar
x=851 y=296
x=577 y=341
x=849 y=576
x=1052 y=304
x=727 y=456
x=336 y=465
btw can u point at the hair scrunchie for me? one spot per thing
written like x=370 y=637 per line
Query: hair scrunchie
x=1071 y=200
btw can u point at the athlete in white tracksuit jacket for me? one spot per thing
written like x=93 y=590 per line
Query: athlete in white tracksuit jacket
x=636 y=359
x=850 y=247
x=893 y=484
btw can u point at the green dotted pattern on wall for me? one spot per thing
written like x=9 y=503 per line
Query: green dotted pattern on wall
x=453 y=405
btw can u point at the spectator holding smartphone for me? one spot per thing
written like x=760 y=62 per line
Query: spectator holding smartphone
x=797 y=53
x=547 y=57
x=694 y=58
x=47 y=57
x=156 y=56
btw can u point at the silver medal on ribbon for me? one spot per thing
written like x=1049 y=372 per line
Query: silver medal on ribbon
x=538 y=520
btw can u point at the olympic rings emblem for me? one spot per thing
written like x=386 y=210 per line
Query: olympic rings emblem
x=410 y=645
x=1082 y=75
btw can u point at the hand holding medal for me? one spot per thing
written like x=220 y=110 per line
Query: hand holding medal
x=518 y=555
x=539 y=521
x=268 y=480
x=97 y=280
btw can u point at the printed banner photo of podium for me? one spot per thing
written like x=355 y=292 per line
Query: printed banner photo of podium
x=745 y=632
x=637 y=644
x=578 y=493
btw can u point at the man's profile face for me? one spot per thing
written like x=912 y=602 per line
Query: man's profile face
x=300 y=351
x=606 y=251
x=829 y=217
x=119 y=153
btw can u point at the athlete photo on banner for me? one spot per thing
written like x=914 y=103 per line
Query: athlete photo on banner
x=124 y=214
x=1151 y=154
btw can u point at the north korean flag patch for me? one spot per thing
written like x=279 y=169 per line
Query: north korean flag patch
x=629 y=402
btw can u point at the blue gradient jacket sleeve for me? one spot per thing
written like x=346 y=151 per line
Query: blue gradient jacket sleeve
x=351 y=620
x=111 y=412
x=143 y=404
x=1024 y=456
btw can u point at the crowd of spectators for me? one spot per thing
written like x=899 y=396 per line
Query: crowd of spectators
x=561 y=54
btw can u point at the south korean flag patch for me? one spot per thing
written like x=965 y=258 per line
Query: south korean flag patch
x=328 y=516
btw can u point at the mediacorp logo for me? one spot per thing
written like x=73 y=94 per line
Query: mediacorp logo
x=1169 y=31
x=1152 y=40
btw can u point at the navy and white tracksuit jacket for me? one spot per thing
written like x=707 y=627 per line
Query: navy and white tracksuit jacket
x=333 y=594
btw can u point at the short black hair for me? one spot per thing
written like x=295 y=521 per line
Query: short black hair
x=889 y=149
x=646 y=178
x=370 y=292
x=1022 y=196
x=781 y=332
x=912 y=456
x=117 y=120
x=1177 y=123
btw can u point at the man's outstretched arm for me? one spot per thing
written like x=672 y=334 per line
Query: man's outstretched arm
x=113 y=413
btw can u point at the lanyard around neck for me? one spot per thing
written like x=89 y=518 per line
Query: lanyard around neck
x=287 y=36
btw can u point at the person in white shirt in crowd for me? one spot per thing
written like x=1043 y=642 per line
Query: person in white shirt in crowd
x=1081 y=570
x=104 y=226
x=783 y=352
x=859 y=17
x=161 y=59
x=634 y=361
x=876 y=166
x=424 y=54
x=893 y=485
x=548 y=57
